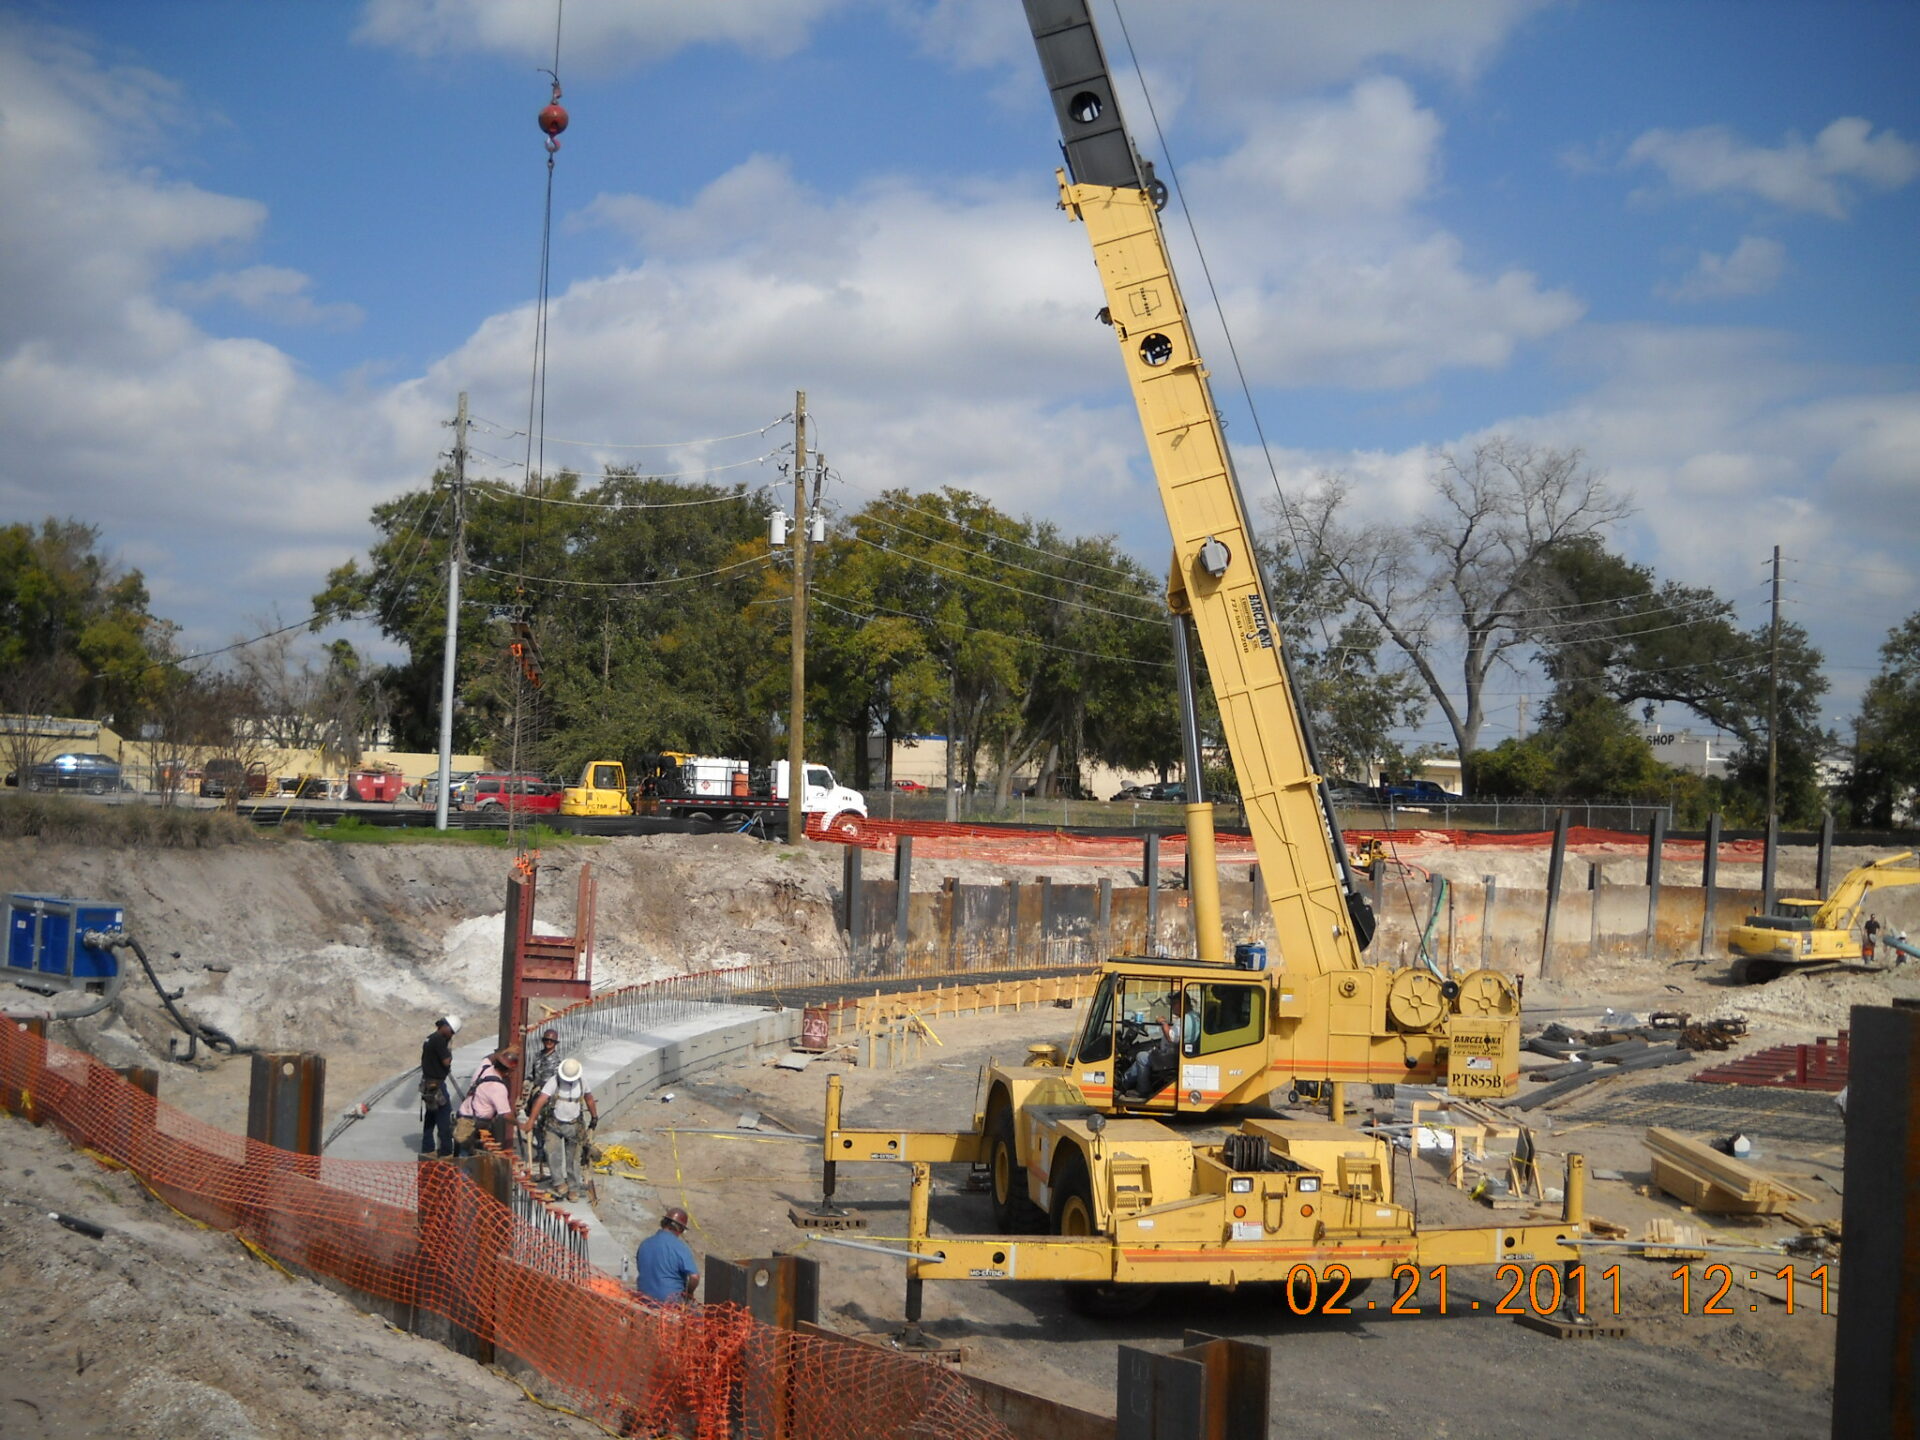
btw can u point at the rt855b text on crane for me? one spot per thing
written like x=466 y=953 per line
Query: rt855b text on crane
x=1147 y=1149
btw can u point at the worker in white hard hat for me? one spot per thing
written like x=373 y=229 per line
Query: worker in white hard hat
x=436 y=1105
x=571 y=1116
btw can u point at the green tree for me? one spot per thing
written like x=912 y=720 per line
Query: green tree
x=77 y=624
x=1030 y=650
x=1883 y=785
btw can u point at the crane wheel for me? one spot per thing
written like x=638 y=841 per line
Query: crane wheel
x=1013 y=1212
x=1073 y=1215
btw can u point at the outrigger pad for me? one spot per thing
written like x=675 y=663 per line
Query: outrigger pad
x=828 y=1219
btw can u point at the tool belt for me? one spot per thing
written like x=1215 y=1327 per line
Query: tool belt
x=466 y=1130
x=433 y=1093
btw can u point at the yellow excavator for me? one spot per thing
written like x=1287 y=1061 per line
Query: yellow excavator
x=1147 y=1149
x=1812 y=934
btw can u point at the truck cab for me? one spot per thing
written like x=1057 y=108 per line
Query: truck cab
x=602 y=791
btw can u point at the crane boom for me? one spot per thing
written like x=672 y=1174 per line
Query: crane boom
x=1321 y=923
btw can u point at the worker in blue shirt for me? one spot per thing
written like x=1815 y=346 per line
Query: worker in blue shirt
x=664 y=1263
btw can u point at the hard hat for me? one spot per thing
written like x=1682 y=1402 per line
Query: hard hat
x=675 y=1216
x=570 y=1070
x=452 y=1022
x=553 y=1035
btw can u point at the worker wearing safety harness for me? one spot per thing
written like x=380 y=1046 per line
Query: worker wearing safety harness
x=566 y=1095
x=436 y=1105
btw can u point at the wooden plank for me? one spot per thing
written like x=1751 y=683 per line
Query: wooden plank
x=1738 y=1178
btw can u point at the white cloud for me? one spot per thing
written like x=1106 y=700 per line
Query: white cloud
x=1342 y=280
x=1372 y=151
x=272 y=291
x=205 y=456
x=1753 y=267
x=1821 y=175
x=594 y=33
x=1730 y=446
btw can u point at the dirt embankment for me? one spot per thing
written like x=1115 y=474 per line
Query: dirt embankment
x=353 y=950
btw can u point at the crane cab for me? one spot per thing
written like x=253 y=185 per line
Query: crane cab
x=1166 y=1036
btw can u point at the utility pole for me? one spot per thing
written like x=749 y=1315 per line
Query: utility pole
x=1773 y=695
x=450 y=666
x=797 y=711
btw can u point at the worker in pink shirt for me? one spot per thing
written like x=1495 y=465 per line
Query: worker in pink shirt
x=489 y=1103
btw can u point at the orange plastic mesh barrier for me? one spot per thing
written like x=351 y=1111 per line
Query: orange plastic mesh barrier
x=1580 y=839
x=1013 y=845
x=428 y=1246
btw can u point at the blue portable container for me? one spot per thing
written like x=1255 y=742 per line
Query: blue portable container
x=1250 y=955
x=44 y=940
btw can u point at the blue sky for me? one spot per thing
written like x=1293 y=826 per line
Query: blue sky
x=250 y=253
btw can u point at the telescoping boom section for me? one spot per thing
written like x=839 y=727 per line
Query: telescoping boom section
x=1320 y=923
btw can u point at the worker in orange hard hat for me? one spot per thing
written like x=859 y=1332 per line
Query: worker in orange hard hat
x=664 y=1266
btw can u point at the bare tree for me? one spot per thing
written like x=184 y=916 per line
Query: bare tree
x=30 y=693
x=1474 y=570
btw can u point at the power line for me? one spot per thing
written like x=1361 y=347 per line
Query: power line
x=997 y=585
x=620 y=584
x=1010 y=564
x=875 y=608
x=495 y=427
x=984 y=534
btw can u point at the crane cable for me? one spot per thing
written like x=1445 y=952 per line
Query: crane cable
x=553 y=121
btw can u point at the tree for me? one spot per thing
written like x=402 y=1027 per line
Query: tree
x=66 y=606
x=1882 y=787
x=1032 y=650
x=1476 y=571
x=1352 y=704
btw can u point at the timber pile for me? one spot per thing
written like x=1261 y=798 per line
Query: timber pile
x=1696 y=1174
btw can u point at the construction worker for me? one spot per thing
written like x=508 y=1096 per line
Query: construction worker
x=664 y=1267
x=564 y=1099
x=542 y=1066
x=489 y=1103
x=436 y=1105
x=1871 y=936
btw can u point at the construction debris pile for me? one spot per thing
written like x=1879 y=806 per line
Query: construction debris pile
x=1588 y=1055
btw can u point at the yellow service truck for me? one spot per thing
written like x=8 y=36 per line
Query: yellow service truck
x=1147 y=1150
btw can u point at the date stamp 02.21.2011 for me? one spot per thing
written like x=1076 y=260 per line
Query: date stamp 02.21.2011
x=1544 y=1290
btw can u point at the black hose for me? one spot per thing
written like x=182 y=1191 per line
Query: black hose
x=196 y=1031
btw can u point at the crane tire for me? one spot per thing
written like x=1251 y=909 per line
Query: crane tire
x=1073 y=1215
x=1013 y=1212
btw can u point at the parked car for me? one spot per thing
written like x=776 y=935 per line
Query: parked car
x=1414 y=792
x=224 y=775
x=76 y=770
x=1153 y=790
x=908 y=785
x=528 y=794
x=1355 y=795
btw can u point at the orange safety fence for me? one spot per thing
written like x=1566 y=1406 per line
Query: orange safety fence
x=1032 y=845
x=432 y=1248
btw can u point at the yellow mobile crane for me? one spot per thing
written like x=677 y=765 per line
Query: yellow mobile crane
x=1117 y=1147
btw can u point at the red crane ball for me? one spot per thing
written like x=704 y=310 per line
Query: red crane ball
x=553 y=119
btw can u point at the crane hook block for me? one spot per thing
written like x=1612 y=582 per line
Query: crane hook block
x=553 y=120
